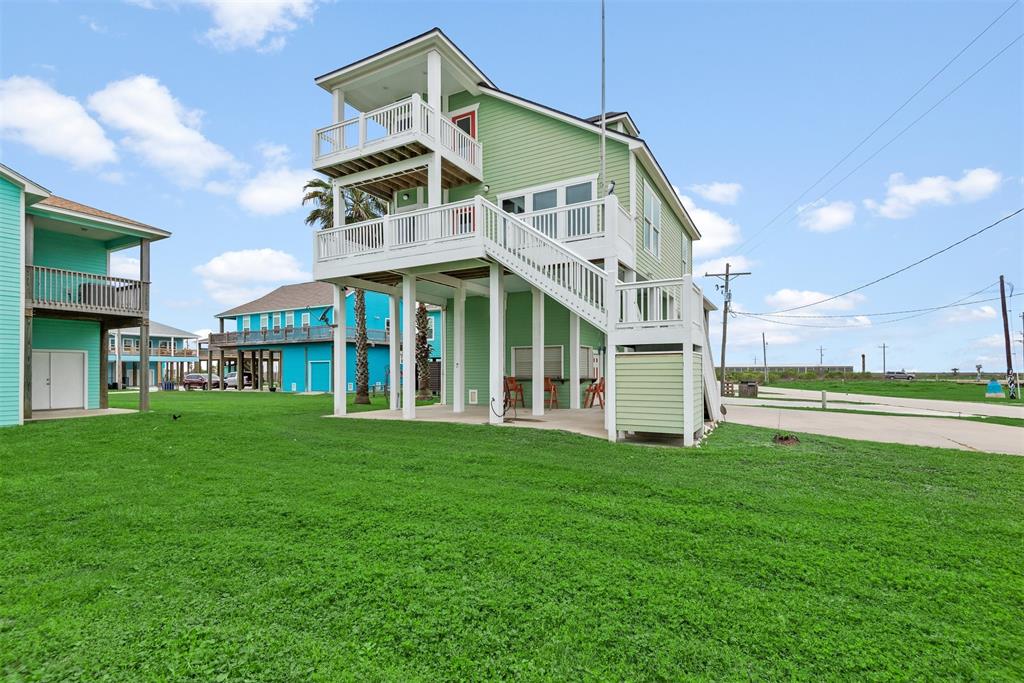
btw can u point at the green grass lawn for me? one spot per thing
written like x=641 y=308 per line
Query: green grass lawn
x=253 y=539
x=918 y=388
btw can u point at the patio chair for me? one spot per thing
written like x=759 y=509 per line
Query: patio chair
x=551 y=389
x=595 y=390
x=514 y=393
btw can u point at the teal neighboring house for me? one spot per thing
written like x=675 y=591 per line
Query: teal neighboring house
x=173 y=353
x=285 y=339
x=58 y=300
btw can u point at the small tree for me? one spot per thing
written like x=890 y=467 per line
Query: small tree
x=422 y=351
x=362 y=361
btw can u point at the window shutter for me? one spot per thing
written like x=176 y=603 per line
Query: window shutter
x=522 y=361
x=552 y=361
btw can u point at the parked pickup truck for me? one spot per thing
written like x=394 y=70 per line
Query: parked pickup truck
x=899 y=374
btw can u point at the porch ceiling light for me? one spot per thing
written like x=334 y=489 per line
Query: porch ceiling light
x=405 y=196
x=487 y=189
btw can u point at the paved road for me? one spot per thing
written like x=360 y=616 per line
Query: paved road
x=1007 y=409
x=765 y=400
x=919 y=431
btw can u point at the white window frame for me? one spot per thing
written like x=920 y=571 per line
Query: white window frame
x=559 y=186
x=652 y=232
x=430 y=328
x=246 y=323
x=277 y=321
x=561 y=360
x=305 y=319
x=289 y=319
x=264 y=320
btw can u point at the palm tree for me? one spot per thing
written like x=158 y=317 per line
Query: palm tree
x=359 y=206
x=422 y=352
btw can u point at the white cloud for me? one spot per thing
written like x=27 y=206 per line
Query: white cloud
x=94 y=26
x=791 y=298
x=822 y=216
x=992 y=341
x=161 y=130
x=717 y=232
x=971 y=314
x=124 y=265
x=902 y=198
x=202 y=333
x=276 y=189
x=258 y=25
x=717 y=265
x=235 y=277
x=34 y=114
x=113 y=177
x=721 y=193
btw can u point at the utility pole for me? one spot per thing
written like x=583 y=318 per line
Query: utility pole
x=764 y=357
x=821 y=356
x=883 y=347
x=727 y=296
x=1010 y=379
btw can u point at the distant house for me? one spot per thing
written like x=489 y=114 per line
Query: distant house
x=285 y=338
x=173 y=353
x=58 y=300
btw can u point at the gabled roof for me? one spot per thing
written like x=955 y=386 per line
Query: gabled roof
x=31 y=188
x=160 y=330
x=287 y=298
x=62 y=205
x=615 y=117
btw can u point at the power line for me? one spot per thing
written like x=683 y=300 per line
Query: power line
x=893 y=139
x=877 y=315
x=881 y=322
x=887 y=119
x=901 y=270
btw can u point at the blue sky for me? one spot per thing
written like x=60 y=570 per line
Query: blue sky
x=196 y=117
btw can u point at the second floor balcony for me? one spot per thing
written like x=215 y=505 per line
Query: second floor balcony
x=395 y=133
x=70 y=291
x=292 y=335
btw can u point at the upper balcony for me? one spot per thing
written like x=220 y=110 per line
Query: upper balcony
x=75 y=293
x=292 y=335
x=393 y=133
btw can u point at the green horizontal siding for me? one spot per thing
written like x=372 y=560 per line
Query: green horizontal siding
x=70 y=252
x=698 y=388
x=523 y=148
x=675 y=243
x=649 y=392
x=10 y=302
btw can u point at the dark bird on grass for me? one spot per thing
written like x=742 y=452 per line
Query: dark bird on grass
x=175 y=417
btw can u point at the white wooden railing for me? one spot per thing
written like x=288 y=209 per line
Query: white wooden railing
x=652 y=302
x=409 y=116
x=445 y=222
x=86 y=292
x=571 y=222
x=564 y=275
x=351 y=239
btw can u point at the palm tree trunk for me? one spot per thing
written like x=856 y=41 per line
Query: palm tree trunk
x=362 y=362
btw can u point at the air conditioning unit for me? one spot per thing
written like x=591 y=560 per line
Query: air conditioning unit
x=473 y=397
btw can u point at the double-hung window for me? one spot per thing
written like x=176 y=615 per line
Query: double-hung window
x=289 y=319
x=305 y=319
x=246 y=323
x=652 y=221
x=264 y=319
x=277 y=321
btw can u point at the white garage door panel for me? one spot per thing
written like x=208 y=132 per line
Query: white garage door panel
x=40 y=380
x=67 y=380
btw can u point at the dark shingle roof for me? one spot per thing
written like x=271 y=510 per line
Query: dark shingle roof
x=286 y=298
x=68 y=205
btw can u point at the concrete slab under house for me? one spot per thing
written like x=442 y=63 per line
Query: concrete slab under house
x=554 y=247
x=58 y=301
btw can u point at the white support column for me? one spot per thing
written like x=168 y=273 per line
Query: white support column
x=339 y=205
x=338 y=99
x=409 y=347
x=459 y=351
x=434 y=80
x=537 y=352
x=340 y=355
x=434 y=180
x=688 y=423
x=394 y=355
x=439 y=334
x=434 y=101
x=496 y=347
x=611 y=266
x=574 y=361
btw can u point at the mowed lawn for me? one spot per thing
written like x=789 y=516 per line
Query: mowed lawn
x=944 y=390
x=252 y=539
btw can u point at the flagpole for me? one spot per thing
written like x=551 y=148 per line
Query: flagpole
x=602 y=184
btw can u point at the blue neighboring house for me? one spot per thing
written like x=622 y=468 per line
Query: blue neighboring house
x=288 y=334
x=172 y=354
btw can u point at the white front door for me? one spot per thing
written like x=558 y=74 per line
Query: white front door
x=58 y=380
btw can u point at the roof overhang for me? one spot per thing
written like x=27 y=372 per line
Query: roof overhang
x=33 y=191
x=107 y=229
x=392 y=73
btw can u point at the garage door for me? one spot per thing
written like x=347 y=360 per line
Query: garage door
x=58 y=380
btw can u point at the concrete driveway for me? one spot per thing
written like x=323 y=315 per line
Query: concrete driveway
x=916 y=431
x=924 y=405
